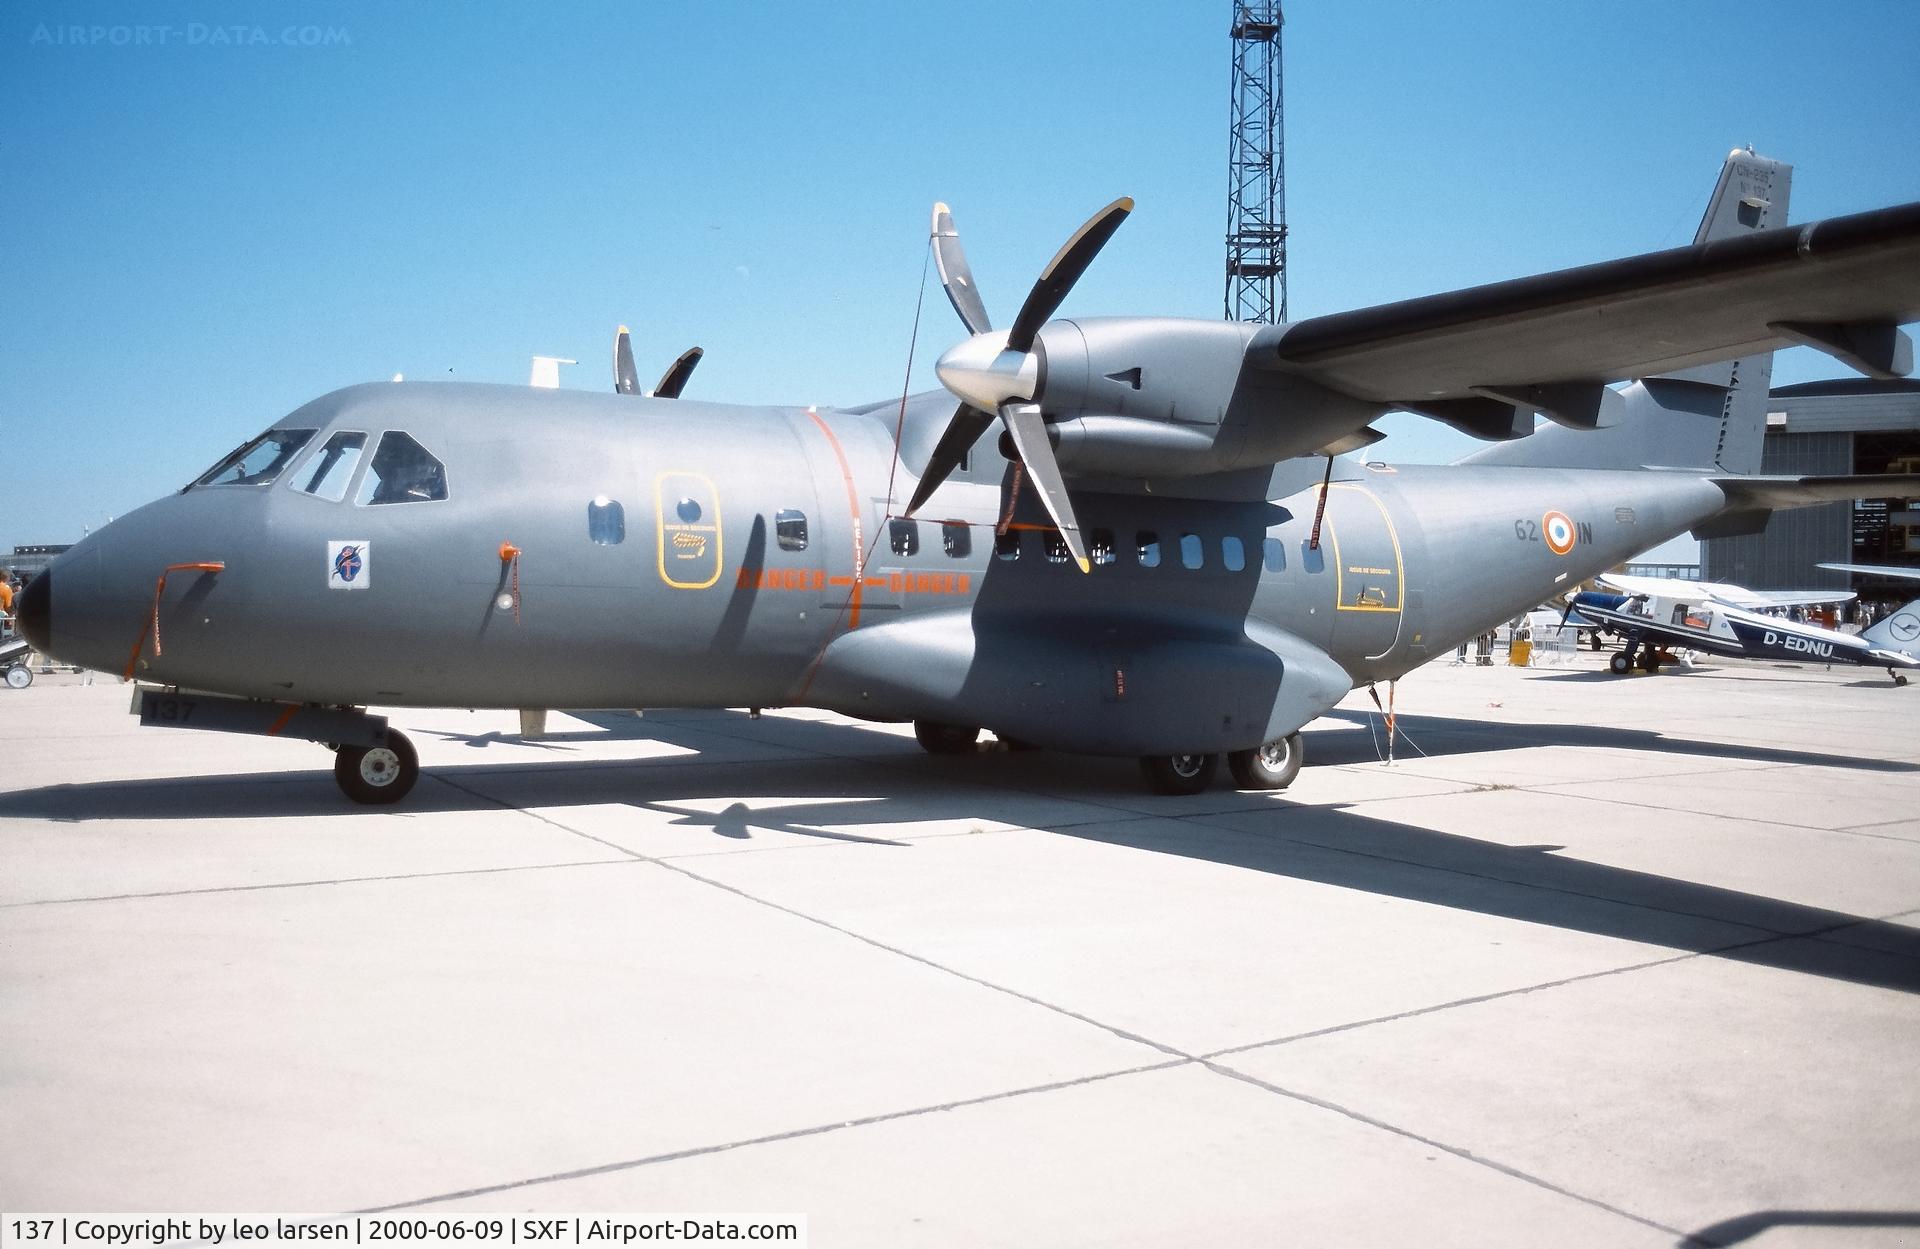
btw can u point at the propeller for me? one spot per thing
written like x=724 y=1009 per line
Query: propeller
x=626 y=379
x=998 y=374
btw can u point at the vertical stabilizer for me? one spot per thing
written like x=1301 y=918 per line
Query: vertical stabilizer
x=1897 y=632
x=1713 y=417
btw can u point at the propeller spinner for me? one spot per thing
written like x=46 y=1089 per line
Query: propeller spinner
x=998 y=373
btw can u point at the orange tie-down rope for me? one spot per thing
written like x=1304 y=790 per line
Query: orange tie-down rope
x=153 y=622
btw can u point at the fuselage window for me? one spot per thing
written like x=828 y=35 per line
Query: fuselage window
x=1057 y=552
x=1192 y=552
x=258 y=462
x=606 y=522
x=1232 y=553
x=1100 y=546
x=1149 y=544
x=790 y=529
x=1007 y=545
x=402 y=471
x=1274 y=552
x=904 y=537
x=1312 y=558
x=326 y=475
x=956 y=539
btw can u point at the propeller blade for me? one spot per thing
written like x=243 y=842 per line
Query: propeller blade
x=1569 y=611
x=1063 y=271
x=625 y=380
x=675 y=378
x=962 y=432
x=1029 y=433
x=955 y=276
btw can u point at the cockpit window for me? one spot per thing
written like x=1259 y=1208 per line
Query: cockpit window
x=258 y=462
x=326 y=475
x=402 y=471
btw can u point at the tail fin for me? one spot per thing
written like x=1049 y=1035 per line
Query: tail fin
x=1713 y=417
x=1898 y=632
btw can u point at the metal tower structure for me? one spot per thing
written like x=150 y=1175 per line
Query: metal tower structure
x=1256 y=169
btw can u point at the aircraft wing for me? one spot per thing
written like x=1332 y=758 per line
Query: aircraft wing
x=1662 y=587
x=1843 y=284
x=1721 y=592
x=1878 y=570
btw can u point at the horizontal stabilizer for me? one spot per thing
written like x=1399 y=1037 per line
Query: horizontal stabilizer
x=1771 y=492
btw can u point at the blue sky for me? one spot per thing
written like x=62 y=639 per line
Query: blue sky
x=208 y=226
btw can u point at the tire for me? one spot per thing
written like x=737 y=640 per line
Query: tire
x=1272 y=766
x=1179 y=774
x=1620 y=663
x=944 y=739
x=377 y=775
x=1650 y=660
x=19 y=676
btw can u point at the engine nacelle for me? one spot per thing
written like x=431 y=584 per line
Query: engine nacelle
x=1162 y=396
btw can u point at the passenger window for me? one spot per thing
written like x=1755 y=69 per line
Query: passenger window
x=326 y=475
x=1100 y=546
x=1312 y=558
x=606 y=522
x=1056 y=545
x=1232 y=553
x=1274 y=552
x=258 y=462
x=1149 y=544
x=790 y=529
x=402 y=471
x=956 y=539
x=1192 y=553
x=904 y=537
x=1007 y=545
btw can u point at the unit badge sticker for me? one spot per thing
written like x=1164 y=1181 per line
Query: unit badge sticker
x=349 y=564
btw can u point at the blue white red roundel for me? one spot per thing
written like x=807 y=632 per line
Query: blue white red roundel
x=1558 y=528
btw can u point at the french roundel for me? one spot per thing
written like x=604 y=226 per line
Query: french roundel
x=1558 y=528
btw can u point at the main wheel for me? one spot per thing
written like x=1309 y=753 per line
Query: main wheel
x=944 y=739
x=377 y=775
x=19 y=676
x=1650 y=660
x=1272 y=766
x=1620 y=663
x=1179 y=774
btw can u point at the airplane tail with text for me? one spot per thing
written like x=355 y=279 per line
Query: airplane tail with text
x=1712 y=418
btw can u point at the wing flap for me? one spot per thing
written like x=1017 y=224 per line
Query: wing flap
x=1653 y=313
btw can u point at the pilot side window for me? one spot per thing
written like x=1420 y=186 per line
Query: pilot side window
x=606 y=522
x=258 y=462
x=790 y=529
x=326 y=475
x=402 y=471
x=1006 y=545
x=903 y=536
x=1192 y=552
x=1232 y=553
x=1274 y=553
x=956 y=539
x=1148 y=543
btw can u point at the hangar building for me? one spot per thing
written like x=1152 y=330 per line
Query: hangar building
x=1851 y=425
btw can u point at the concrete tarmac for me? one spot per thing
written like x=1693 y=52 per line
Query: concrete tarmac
x=1594 y=961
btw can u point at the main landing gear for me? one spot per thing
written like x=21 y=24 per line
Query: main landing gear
x=1646 y=658
x=377 y=775
x=1271 y=766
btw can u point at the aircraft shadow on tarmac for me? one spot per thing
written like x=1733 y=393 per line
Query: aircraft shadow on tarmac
x=1745 y=1227
x=806 y=795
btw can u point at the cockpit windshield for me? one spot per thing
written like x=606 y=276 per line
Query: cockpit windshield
x=258 y=462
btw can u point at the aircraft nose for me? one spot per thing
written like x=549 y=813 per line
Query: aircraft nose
x=33 y=611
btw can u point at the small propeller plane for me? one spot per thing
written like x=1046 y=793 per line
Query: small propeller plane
x=1164 y=554
x=1653 y=613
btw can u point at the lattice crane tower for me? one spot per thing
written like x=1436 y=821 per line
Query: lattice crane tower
x=1256 y=169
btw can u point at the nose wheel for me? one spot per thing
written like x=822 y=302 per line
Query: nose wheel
x=377 y=775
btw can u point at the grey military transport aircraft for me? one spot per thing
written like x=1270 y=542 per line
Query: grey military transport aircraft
x=1163 y=552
